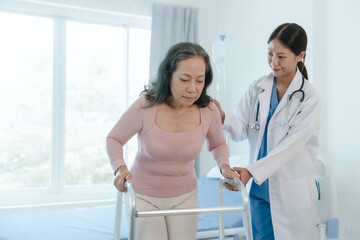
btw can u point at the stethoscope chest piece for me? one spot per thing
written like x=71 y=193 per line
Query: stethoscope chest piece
x=255 y=126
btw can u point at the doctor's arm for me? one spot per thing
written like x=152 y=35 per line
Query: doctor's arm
x=304 y=127
x=236 y=123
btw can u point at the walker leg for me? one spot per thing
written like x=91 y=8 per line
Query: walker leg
x=221 y=215
x=119 y=202
x=132 y=212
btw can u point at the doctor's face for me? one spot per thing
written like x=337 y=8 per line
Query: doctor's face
x=282 y=60
x=187 y=82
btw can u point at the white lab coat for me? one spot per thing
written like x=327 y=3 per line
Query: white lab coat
x=290 y=164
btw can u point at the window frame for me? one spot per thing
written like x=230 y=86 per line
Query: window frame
x=59 y=194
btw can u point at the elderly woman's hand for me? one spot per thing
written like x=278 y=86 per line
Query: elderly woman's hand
x=228 y=172
x=121 y=175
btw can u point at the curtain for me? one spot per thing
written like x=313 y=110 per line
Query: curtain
x=170 y=25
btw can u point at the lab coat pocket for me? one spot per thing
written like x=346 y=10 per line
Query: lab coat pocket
x=295 y=195
x=276 y=134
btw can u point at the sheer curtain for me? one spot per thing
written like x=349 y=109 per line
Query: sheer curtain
x=171 y=24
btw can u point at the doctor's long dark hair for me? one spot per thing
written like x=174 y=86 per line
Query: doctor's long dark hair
x=293 y=37
x=159 y=91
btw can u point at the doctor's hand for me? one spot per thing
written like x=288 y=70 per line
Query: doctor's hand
x=122 y=174
x=228 y=172
x=222 y=113
x=245 y=175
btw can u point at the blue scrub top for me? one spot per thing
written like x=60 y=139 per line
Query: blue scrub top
x=259 y=194
x=274 y=102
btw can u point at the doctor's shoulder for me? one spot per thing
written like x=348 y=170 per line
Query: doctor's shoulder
x=255 y=87
x=259 y=80
x=311 y=93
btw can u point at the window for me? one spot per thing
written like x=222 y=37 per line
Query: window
x=64 y=83
x=94 y=96
x=25 y=101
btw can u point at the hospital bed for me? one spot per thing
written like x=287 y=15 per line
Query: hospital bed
x=237 y=226
x=95 y=223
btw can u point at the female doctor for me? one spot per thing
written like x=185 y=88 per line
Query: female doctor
x=279 y=116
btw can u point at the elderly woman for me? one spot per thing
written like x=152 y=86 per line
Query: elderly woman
x=172 y=118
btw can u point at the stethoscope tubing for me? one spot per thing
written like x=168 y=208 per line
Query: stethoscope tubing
x=256 y=124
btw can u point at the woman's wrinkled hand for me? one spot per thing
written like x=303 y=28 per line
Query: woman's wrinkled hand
x=229 y=173
x=122 y=174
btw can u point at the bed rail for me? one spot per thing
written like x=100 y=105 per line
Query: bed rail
x=133 y=213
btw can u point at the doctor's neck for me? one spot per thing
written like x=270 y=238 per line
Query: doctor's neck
x=282 y=84
x=285 y=79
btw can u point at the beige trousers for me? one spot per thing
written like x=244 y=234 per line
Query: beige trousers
x=169 y=227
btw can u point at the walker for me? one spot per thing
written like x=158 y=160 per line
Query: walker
x=134 y=213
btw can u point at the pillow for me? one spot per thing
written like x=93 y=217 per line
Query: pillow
x=321 y=167
x=234 y=161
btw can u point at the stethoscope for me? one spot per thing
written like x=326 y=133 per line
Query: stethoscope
x=256 y=125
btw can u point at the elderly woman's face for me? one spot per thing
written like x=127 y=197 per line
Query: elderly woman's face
x=187 y=82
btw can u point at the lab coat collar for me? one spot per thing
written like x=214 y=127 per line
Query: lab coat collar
x=294 y=84
x=264 y=96
x=265 y=88
x=267 y=82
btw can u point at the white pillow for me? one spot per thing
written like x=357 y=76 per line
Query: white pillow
x=234 y=161
x=321 y=167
